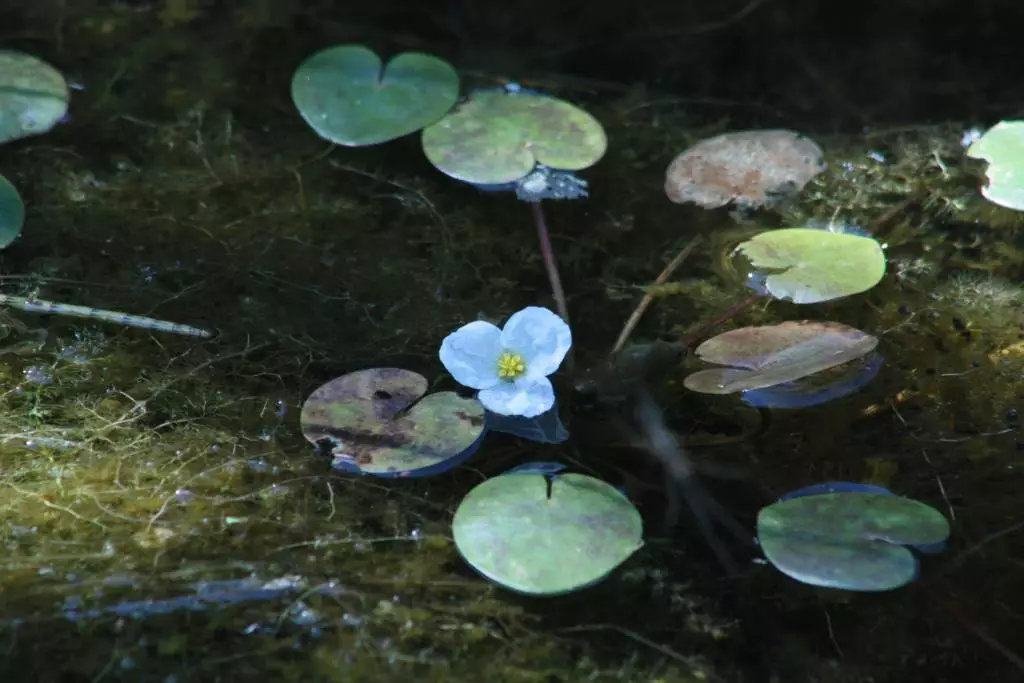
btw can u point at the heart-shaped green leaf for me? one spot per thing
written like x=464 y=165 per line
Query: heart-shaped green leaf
x=12 y=213
x=497 y=137
x=379 y=422
x=349 y=98
x=807 y=265
x=852 y=541
x=33 y=96
x=527 y=538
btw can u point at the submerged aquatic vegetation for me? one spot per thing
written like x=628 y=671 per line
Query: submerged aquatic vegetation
x=983 y=293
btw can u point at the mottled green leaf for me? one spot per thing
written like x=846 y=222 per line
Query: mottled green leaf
x=379 y=422
x=511 y=531
x=33 y=96
x=12 y=213
x=497 y=137
x=852 y=541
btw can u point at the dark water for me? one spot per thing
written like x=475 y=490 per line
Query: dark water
x=164 y=519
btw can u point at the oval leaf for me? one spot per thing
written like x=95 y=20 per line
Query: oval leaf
x=749 y=168
x=807 y=265
x=12 y=213
x=813 y=390
x=544 y=535
x=1002 y=146
x=852 y=541
x=767 y=355
x=347 y=96
x=497 y=137
x=33 y=96
x=364 y=421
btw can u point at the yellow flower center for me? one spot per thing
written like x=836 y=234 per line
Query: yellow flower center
x=511 y=366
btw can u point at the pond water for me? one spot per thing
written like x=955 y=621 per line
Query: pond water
x=163 y=518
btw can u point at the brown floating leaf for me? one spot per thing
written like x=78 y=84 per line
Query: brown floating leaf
x=749 y=168
x=774 y=354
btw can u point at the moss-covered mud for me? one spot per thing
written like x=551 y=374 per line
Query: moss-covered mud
x=164 y=520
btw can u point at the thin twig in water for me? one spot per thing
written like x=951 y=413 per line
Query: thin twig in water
x=634 y=319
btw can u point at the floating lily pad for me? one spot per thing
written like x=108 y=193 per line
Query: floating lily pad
x=747 y=168
x=822 y=387
x=931 y=548
x=33 y=96
x=12 y=213
x=769 y=355
x=851 y=541
x=545 y=535
x=497 y=137
x=807 y=265
x=379 y=422
x=348 y=96
x=1002 y=146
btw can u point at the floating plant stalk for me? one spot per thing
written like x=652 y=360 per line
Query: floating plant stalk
x=54 y=308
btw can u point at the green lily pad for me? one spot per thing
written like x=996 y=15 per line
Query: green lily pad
x=1002 y=146
x=349 y=98
x=33 y=96
x=807 y=265
x=496 y=137
x=769 y=355
x=522 y=536
x=379 y=422
x=12 y=213
x=852 y=541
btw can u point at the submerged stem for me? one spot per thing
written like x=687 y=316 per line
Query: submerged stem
x=548 y=254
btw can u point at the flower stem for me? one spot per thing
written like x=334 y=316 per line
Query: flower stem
x=548 y=254
x=549 y=260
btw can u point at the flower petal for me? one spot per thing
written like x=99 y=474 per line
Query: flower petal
x=470 y=354
x=525 y=397
x=540 y=337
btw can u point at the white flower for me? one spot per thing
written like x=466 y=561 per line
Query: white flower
x=510 y=366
